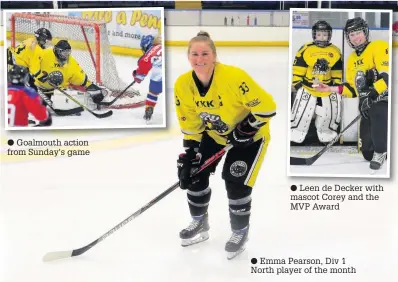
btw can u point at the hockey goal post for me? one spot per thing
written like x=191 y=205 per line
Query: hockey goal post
x=90 y=47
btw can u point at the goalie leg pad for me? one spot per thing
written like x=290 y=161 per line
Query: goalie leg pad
x=302 y=112
x=328 y=117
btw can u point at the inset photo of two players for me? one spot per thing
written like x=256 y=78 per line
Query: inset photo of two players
x=340 y=93
x=84 y=69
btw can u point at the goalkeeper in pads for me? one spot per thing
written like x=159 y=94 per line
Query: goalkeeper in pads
x=316 y=62
x=367 y=77
x=216 y=105
x=57 y=67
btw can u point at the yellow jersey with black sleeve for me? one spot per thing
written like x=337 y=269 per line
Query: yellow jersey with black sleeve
x=314 y=65
x=374 y=56
x=27 y=54
x=231 y=96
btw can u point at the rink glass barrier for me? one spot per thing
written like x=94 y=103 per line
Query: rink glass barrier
x=255 y=28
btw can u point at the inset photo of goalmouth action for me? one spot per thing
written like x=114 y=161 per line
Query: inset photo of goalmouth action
x=82 y=69
x=340 y=91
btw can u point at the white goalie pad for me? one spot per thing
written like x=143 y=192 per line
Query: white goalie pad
x=328 y=117
x=61 y=101
x=302 y=112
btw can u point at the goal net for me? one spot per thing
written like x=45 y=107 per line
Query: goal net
x=90 y=47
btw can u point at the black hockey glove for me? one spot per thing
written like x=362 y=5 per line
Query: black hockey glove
x=187 y=162
x=96 y=93
x=372 y=76
x=242 y=135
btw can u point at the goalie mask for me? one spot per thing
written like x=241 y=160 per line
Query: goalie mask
x=353 y=26
x=146 y=42
x=43 y=36
x=62 y=51
x=18 y=75
x=322 y=33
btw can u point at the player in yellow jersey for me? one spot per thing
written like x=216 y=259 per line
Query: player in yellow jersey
x=316 y=62
x=57 y=66
x=367 y=78
x=28 y=52
x=218 y=104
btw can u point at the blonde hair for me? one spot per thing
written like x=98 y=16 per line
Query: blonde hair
x=203 y=36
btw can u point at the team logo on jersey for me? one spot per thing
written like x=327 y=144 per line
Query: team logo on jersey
x=331 y=55
x=238 y=168
x=253 y=103
x=321 y=66
x=214 y=122
x=358 y=63
x=205 y=104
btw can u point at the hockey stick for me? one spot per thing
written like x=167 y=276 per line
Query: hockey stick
x=109 y=103
x=311 y=160
x=97 y=115
x=76 y=252
x=60 y=112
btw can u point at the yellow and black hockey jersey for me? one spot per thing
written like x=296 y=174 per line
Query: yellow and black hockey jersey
x=27 y=54
x=375 y=55
x=72 y=72
x=314 y=64
x=232 y=95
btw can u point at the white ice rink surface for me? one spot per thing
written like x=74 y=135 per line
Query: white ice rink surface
x=60 y=204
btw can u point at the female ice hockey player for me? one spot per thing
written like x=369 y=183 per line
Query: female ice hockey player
x=218 y=104
x=151 y=60
x=58 y=67
x=367 y=77
x=316 y=62
x=28 y=51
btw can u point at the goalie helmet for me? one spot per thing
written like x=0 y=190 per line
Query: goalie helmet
x=18 y=75
x=325 y=27
x=43 y=35
x=62 y=50
x=353 y=25
x=146 y=42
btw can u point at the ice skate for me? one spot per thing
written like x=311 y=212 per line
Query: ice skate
x=236 y=244
x=148 y=113
x=196 y=232
x=377 y=161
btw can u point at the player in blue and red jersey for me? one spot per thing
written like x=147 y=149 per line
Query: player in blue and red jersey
x=151 y=60
x=23 y=100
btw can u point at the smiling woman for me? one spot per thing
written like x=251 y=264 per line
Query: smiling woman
x=219 y=104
